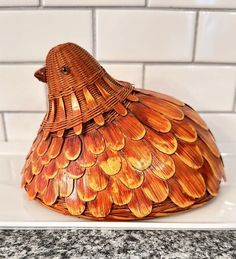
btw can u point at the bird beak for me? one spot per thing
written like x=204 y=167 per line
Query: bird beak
x=41 y=74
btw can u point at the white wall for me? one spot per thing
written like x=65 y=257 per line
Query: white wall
x=185 y=48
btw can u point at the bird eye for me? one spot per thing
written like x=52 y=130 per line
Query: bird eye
x=65 y=70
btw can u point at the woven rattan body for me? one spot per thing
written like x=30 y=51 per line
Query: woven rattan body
x=108 y=151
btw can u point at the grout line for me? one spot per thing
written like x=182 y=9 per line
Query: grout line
x=130 y=62
x=195 y=36
x=17 y=111
x=21 y=62
x=4 y=127
x=143 y=76
x=234 y=102
x=216 y=112
x=40 y=3
x=142 y=7
x=94 y=32
x=167 y=62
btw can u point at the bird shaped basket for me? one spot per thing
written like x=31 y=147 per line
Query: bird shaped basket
x=108 y=151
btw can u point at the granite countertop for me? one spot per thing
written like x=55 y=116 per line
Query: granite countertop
x=87 y=243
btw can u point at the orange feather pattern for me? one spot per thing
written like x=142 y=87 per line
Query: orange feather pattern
x=130 y=177
x=162 y=165
x=85 y=193
x=50 y=195
x=110 y=162
x=101 y=206
x=72 y=147
x=184 y=130
x=86 y=158
x=107 y=151
x=151 y=118
x=95 y=142
x=140 y=205
x=170 y=110
x=193 y=115
x=190 y=155
x=31 y=189
x=62 y=161
x=91 y=102
x=161 y=96
x=45 y=159
x=55 y=147
x=150 y=189
x=50 y=170
x=76 y=112
x=65 y=183
x=212 y=182
x=113 y=136
x=74 y=170
x=37 y=166
x=190 y=180
x=214 y=162
x=97 y=180
x=137 y=154
x=41 y=183
x=131 y=127
x=43 y=146
x=177 y=195
x=120 y=194
x=74 y=204
x=164 y=142
x=207 y=138
x=28 y=175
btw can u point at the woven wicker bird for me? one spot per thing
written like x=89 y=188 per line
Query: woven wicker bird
x=108 y=151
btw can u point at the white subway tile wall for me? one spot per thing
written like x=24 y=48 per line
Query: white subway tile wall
x=144 y=35
x=216 y=39
x=206 y=88
x=20 y=90
x=22 y=126
x=126 y=72
x=19 y=3
x=93 y=2
x=28 y=35
x=193 y=3
x=184 y=48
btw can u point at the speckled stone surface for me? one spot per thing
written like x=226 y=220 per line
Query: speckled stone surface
x=82 y=243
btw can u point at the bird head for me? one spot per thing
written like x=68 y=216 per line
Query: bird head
x=80 y=91
x=68 y=67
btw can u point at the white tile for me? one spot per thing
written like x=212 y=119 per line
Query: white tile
x=29 y=35
x=21 y=90
x=126 y=72
x=5 y=176
x=145 y=35
x=22 y=126
x=216 y=38
x=206 y=88
x=193 y=3
x=93 y=2
x=222 y=125
x=19 y=2
x=1 y=128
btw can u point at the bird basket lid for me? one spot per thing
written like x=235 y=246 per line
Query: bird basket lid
x=79 y=90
